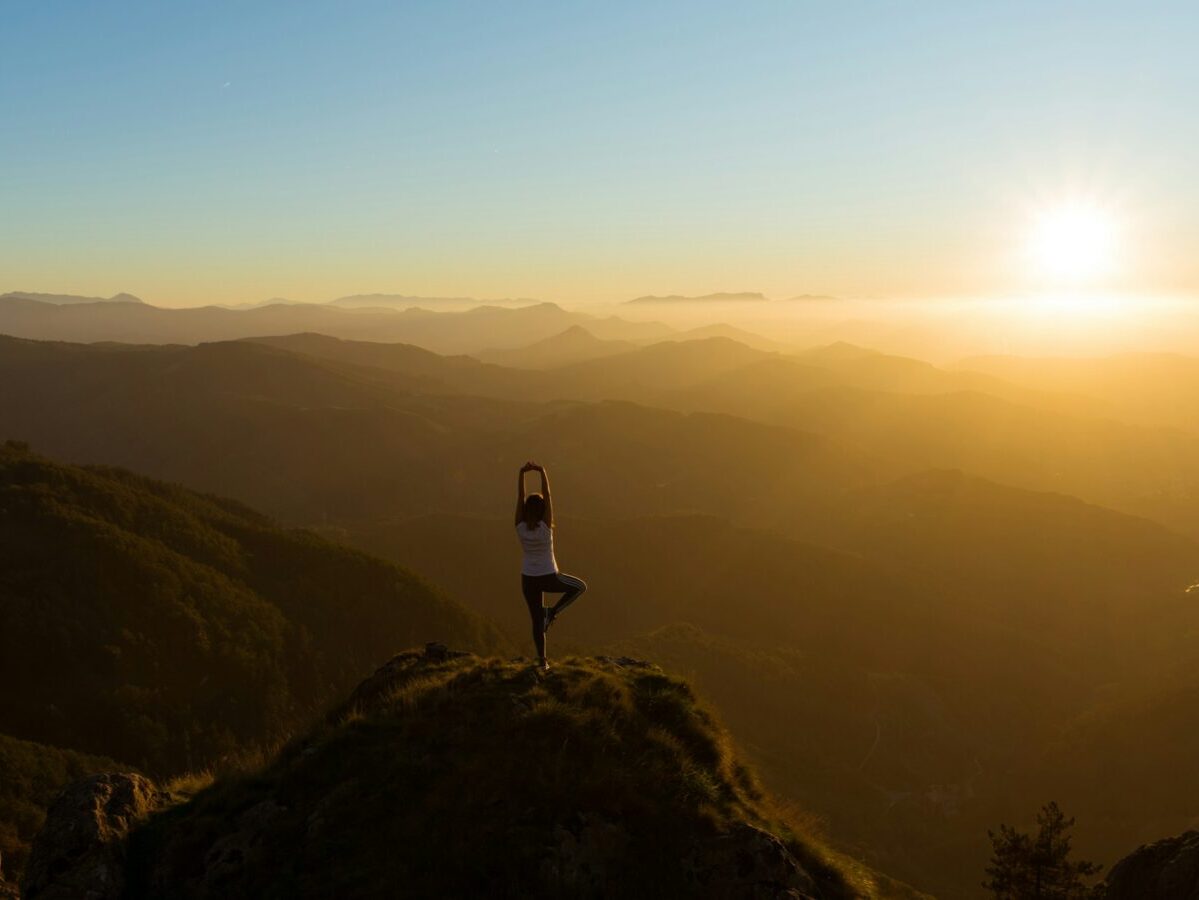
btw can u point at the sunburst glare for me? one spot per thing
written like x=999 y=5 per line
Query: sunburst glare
x=1074 y=243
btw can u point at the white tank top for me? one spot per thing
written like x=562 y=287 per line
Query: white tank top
x=538 y=544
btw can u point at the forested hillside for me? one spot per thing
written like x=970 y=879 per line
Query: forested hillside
x=164 y=628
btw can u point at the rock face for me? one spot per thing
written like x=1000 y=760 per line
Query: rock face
x=80 y=852
x=748 y=863
x=1164 y=870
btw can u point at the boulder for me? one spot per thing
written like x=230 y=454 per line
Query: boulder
x=1164 y=870
x=80 y=852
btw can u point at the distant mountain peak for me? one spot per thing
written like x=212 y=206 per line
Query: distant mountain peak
x=732 y=332
x=741 y=297
x=70 y=299
x=840 y=350
x=406 y=301
x=576 y=334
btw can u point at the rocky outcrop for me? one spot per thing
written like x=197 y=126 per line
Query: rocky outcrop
x=447 y=774
x=80 y=852
x=748 y=863
x=1164 y=870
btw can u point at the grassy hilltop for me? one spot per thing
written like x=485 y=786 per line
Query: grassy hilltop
x=458 y=776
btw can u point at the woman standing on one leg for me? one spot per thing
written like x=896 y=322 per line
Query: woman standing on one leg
x=539 y=571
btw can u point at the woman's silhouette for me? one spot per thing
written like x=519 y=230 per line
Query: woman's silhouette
x=539 y=570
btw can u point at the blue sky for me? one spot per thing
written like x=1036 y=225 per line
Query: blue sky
x=220 y=151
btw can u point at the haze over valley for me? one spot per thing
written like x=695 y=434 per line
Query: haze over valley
x=916 y=591
x=845 y=358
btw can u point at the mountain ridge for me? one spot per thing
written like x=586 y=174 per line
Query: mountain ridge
x=444 y=331
x=736 y=297
x=70 y=299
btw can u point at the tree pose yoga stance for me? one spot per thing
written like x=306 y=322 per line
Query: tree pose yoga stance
x=539 y=571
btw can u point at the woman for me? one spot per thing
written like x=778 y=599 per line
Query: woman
x=539 y=570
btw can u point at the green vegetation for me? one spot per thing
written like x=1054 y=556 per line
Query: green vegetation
x=467 y=777
x=32 y=774
x=165 y=628
x=1038 y=867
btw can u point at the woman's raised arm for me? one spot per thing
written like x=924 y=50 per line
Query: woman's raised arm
x=520 y=493
x=545 y=492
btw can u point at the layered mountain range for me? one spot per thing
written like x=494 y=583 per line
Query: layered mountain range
x=926 y=599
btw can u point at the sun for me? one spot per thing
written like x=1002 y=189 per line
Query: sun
x=1074 y=243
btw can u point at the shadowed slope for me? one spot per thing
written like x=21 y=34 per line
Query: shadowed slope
x=164 y=627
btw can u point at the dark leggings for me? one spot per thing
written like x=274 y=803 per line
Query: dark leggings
x=533 y=586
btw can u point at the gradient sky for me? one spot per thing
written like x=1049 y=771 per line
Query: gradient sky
x=233 y=151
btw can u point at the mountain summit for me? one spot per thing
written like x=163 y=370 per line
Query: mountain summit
x=446 y=774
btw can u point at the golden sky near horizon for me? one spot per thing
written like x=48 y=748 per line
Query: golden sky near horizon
x=203 y=154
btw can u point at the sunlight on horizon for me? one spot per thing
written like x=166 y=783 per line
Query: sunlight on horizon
x=1075 y=243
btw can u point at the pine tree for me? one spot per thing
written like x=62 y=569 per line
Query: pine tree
x=1024 y=867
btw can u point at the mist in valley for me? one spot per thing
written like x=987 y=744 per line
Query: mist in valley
x=846 y=362
x=926 y=598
